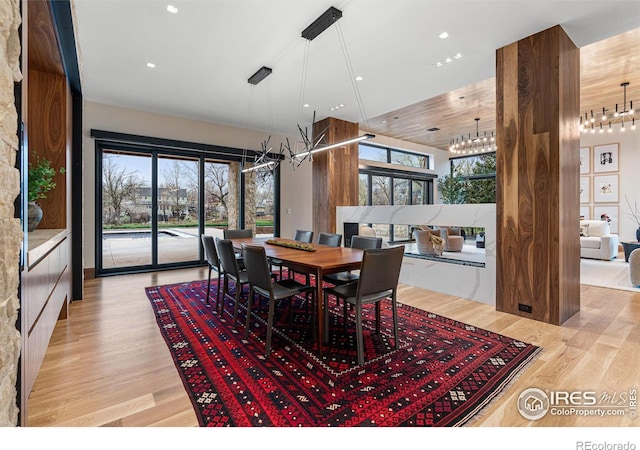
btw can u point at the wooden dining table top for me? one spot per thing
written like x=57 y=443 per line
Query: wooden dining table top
x=324 y=257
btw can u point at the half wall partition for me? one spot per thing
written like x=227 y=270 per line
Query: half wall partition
x=471 y=281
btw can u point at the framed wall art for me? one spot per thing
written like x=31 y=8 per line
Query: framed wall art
x=605 y=189
x=605 y=158
x=608 y=213
x=585 y=160
x=585 y=189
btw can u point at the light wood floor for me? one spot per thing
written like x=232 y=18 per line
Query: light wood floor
x=107 y=364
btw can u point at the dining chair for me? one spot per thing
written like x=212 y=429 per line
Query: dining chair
x=232 y=271
x=211 y=255
x=261 y=283
x=361 y=242
x=378 y=281
x=300 y=236
x=334 y=240
x=238 y=234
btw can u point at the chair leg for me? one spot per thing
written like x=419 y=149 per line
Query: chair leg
x=235 y=308
x=325 y=327
x=270 y=326
x=344 y=314
x=248 y=323
x=209 y=285
x=225 y=291
x=394 y=308
x=218 y=288
x=378 y=317
x=359 y=337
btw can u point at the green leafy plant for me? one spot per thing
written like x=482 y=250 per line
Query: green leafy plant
x=41 y=178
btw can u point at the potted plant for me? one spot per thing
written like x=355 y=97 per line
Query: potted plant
x=40 y=182
x=634 y=214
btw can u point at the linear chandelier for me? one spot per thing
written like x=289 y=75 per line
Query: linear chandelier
x=474 y=144
x=269 y=160
x=625 y=117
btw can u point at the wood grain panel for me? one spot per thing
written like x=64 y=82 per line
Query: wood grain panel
x=537 y=169
x=335 y=173
x=43 y=46
x=48 y=123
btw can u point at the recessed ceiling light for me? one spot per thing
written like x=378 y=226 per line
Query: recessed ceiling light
x=306 y=105
x=448 y=60
x=358 y=78
x=458 y=56
x=172 y=9
x=151 y=65
x=443 y=35
x=439 y=64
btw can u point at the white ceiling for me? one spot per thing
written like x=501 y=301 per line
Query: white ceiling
x=205 y=53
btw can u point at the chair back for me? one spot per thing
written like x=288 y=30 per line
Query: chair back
x=380 y=270
x=227 y=257
x=238 y=234
x=334 y=240
x=210 y=253
x=365 y=242
x=304 y=236
x=255 y=261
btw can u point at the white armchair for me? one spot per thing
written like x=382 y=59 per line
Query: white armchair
x=596 y=240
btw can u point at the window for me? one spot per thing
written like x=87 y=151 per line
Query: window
x=472 y=180
x=153 y=203
x=401 y=180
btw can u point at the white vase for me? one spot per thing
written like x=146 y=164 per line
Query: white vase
x=34 y=216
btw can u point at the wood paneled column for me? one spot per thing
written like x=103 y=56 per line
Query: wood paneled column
x=538 y=249
x=335 y=173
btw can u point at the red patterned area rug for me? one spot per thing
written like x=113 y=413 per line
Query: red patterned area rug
x=443 y=373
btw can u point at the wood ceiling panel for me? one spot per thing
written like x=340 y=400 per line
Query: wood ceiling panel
x=603 y=66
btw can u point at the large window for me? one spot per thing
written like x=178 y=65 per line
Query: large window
x=153 y=204
x=400 y=179
x=472 y=180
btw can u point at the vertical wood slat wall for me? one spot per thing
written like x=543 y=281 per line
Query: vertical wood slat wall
x=538 y=253
x=335 y=174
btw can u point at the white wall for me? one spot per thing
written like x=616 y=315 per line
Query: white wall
x=295 y=187
x=629 y=165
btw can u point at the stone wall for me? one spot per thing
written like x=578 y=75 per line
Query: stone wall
x=10 y=229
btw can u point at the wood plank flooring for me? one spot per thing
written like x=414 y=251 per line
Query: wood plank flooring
x=107 y=364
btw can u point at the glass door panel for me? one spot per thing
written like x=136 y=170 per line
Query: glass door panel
x=178 y=205
x=259 y=207
x=126 y=210
x=216 y=198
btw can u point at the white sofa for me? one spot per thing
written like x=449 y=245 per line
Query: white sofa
x=596 y=240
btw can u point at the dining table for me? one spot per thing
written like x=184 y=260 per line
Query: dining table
x=308 y=258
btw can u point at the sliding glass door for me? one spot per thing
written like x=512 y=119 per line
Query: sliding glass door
x=126 y=210
x=154 y=204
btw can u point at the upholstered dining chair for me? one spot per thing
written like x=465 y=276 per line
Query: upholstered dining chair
x=378 y=281
x=211 y=255
x=300 y=236
x=238 y=234
x=332 y=239
x=361 y=242
x=261 y=283
x=232 y=271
